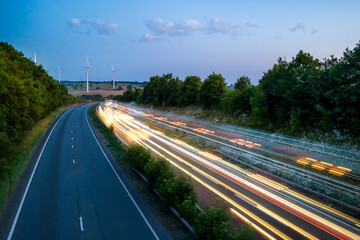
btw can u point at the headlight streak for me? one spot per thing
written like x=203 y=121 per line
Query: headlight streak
x=273 y=215
x=232 y=176
x=246 y=151
x=279 y=233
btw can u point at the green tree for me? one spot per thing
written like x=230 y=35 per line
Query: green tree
x=237 y=102
x=214 y=223
x=157 y=170
x=259 y=108
x=27 y=94
x=176 y=190
x=138 y=156
x=242 y=83
x=212 y=89
x=189 y=91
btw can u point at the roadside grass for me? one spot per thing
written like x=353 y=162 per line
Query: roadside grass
x=117 y=149
x=20 y=153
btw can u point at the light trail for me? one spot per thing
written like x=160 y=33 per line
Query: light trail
x=292 y=159
x=320 y=221
x=324 y=179
x=283 y=236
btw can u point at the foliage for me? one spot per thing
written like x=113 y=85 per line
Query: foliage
x=211 y=90
x=129 y=95
x=96 y=97
x=189 y=91
x=237 y=102
x=214 y=223
x=138 y=156
x=27 y=94
x=161 y=91
x=242 y=83
x=157 y=169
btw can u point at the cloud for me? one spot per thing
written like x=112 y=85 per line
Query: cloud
x=313 y=31
x=159 y=26
x=189 y=25
x=148 y=37
x=161 y=29
x=216 y=25
x=74 y=23
x=105 y=28
x=251 y=25
x=89 y=26
x=297 y=27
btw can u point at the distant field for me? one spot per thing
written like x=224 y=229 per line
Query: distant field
x=102 y=88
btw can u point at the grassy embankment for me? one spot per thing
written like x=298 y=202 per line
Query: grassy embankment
x=22 y=152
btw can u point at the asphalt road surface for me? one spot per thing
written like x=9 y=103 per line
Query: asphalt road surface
x=73 y=191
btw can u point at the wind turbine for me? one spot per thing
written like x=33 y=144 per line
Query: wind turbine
x=113 y=71
x=87 y=74
x=36 y=60
x=59 y=71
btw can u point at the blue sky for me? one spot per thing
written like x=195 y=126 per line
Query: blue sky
x=146 y=38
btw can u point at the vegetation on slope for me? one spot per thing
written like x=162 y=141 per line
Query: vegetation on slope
x=27 y=95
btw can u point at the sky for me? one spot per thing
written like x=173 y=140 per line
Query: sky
x=146 y=38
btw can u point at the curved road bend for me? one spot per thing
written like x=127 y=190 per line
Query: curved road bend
x=75 y=193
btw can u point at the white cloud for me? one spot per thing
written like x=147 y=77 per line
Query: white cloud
x=216 y=25
x=148 y=37
x=90 y=26
x=159 y=26
x=105 y=28
x=161 y=29
x=297 y=27
x=74 y=22
x=189 y=25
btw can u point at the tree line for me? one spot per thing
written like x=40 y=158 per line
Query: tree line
x=299 y=94
x=27 y=94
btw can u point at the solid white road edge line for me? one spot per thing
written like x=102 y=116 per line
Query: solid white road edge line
x=29 y=182
x=127 y=191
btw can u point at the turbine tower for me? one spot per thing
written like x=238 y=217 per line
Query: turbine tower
x=36 y=60
x=87 y=74
x=113 y=71
x=59 y=71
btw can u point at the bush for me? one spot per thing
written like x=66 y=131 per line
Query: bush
x=176 y=190
x=138 y=156
x=156 y=170
x=214 y=223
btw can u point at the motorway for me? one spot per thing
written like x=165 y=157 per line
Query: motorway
x=274 y=210
x=73 y=191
